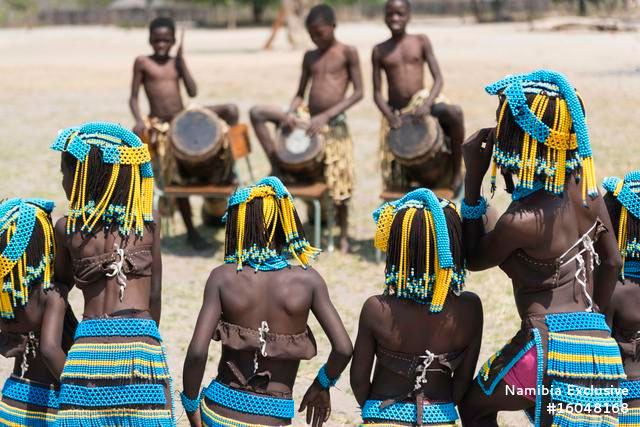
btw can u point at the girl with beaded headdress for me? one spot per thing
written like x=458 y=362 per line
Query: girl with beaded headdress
x=555 y=242
x=116 y=372
x=36 y=323
x=622 y=198
x=257 y=305
x=420 y=372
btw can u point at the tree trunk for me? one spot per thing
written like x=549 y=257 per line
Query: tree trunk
x=258 y=11
x=232 y=14
x=582 y=7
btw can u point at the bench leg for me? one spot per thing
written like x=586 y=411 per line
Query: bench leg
x=378 y=255
x=317 y=222
x=250 y=169
x=331 y=217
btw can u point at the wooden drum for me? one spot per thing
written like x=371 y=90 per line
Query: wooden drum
x=197 y=135
x=419 y=145
x=299 y=154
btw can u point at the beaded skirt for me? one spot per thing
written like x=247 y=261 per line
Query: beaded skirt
x=116 y=375
x=241 y=401
x=433 y=414
x=578 y=369
x=28 y=403
x=630 y=417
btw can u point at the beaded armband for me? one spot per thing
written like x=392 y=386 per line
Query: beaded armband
x=474 y=212
x=190 y=405
x=324 y=379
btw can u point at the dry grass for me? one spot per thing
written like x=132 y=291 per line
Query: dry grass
x=52 y=78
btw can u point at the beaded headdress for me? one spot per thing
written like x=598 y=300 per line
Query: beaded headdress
x=27 y=250
x=120 y=148
x=544 y=152
x=424 y=270
x=279 y=216
x=627 y=192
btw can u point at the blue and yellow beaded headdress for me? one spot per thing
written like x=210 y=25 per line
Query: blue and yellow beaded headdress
x=422 y=266
x=28 y=251
x=627 y=192
x=279 y=216
x=120 y=148
x=546 y=153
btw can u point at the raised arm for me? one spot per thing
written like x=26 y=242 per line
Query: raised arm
x=605 y=275
x=363 y=354
x=316 y=399
x=434 y=68
x=155 y=296
x=463 y=375
x=183 y=70
x=485 y=249
x=196 y=359
x=55 y=306
x=136 y=82
x=378 y=98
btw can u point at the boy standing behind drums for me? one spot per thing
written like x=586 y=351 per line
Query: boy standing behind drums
x=160 y=74
x=402 y=59
x=330 y=68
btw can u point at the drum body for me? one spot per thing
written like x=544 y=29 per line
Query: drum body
x=198 y=139
x=420 y=146
x=298 y=154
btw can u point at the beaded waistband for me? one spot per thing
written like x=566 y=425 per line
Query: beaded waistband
x=121 y=326
x=406 y=412
x=633 y=389
x=578 y=321
x=123 y=395
x=24 y=391
x=248 y=402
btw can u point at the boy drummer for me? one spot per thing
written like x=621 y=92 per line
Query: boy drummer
x=160 y=74
x=330 y=68
x=402 y=59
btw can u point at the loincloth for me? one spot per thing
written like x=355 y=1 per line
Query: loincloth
x=396 y=176
x=574 y=352
x=116 y=374
x=433 y=414
x=28 y=403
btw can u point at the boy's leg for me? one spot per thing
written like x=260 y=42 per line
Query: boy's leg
x=480 y=410
x=260 y=116
x=194 y=238
x=227 y=112
x=451 y=119
x=342 y=215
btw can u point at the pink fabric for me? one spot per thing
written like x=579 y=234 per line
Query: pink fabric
x=524 y=374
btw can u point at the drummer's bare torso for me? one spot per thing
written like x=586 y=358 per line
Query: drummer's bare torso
x=329 y=73
x=403 y=63
x=161 y=82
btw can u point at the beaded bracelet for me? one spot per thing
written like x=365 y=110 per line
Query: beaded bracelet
x=190 y=405
x=324 y=379
x=474 y=212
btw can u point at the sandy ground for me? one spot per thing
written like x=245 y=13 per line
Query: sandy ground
x=57 y=77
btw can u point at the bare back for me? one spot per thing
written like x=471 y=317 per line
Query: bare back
x=102 y=296
x=282 y=298
x=551 y=229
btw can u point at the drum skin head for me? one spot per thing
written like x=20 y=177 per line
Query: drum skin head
x=196 y=133
x=296 y=151
x=415 y=139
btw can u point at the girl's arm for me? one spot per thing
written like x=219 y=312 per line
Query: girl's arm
x=196 y=359
x=605 y=275
x=316 y=399
x=155 y=295
x=55 y=306
x=363 y=353
x=463 y=375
